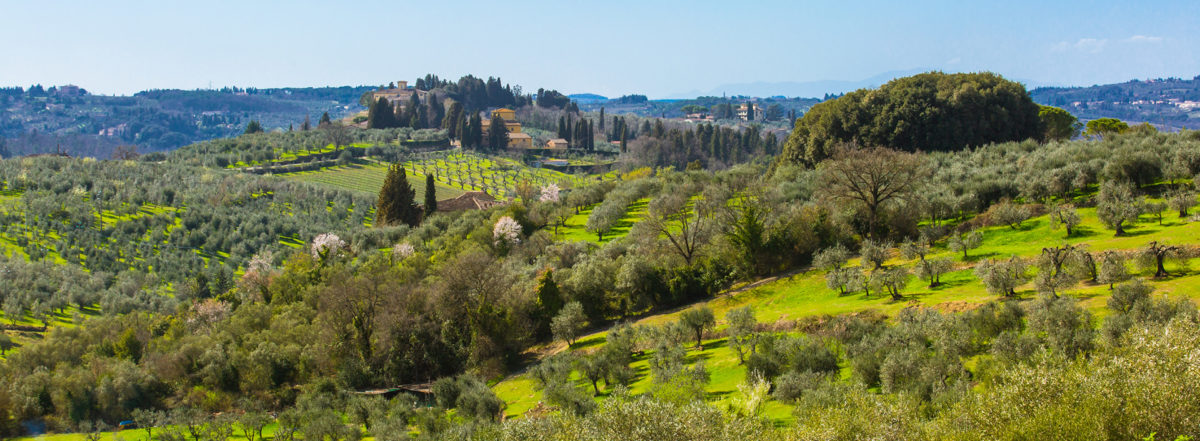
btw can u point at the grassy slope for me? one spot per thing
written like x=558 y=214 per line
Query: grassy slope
x=65 y=319
x=575 y=228
x=805 y=295
x=366 y=178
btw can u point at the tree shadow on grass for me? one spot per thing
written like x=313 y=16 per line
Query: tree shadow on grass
x=1136 y=233
x=976 y=257
x=1082 y=231
x=707 y=352
x=717 y=395
x=587 y=343
x=948 y=284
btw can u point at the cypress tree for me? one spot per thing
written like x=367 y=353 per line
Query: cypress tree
x=624 y=133
x=380 y=116
x=460 y=128
x=396 y=199
x=497 y=135
x=601 y=118
x=324 y=120
x=476 y=131
x=430 y=196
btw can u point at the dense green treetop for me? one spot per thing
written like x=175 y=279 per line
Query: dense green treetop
x=929 y=112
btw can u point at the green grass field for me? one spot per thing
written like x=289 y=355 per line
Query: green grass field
x=366 y=178
x=805 y=295
x=497 y=176
x=575 y=228
x=69 y=317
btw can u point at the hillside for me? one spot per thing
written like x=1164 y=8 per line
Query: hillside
x=1170 y=103
x=43 y=120
x=243 y=283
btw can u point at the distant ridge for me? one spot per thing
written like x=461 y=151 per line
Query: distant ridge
x=587 y=97
x=803 y=89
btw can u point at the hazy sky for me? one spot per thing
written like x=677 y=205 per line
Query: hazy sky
x=611 y=47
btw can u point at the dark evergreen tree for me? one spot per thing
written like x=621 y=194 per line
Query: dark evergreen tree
x=430 y=196
x=397 y=200
x=460 y=128
x=436 y=111
x=601 y=118
x=380 y=115
x=497 y=135
x=624 y=134
x=324 y=120
x=476 y=138
x=306 y=125
x=254 y=127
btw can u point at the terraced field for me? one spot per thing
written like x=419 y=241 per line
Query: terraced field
x=499 y=177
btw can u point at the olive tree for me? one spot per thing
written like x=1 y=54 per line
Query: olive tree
x=1064 y=216
x=875 y=252
x=963 y=242
x=569 y=322
x=1155 y=254
x=1009 y=213
x=1181 y=201
x=698 y=320
x=1001 y=277
x=928 y=269
x=742 y=331
x=833 y=261
x=1116 y=206
x=1112 y=268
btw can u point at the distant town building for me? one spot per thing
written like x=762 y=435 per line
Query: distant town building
x=399 y=95
x=557 y=144
x=516 y=139
x=743 y=112
x=520 y=141
x=471 y=200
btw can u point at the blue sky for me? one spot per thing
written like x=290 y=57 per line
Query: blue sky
x=614 y=47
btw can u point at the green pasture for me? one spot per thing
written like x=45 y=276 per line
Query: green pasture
x=805 y=296
x=366 y=178
x=575 y=228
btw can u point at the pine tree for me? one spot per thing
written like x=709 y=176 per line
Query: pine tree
x=254 y=127
x=396 y=199
x=324 y=120
x=430 y=196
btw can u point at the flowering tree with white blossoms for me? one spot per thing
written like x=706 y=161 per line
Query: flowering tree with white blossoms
x=507 y=231
x=327 y=244
x=403 y=250
x=549 y=193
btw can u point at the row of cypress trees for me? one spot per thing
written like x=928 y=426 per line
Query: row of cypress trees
x=397 y=199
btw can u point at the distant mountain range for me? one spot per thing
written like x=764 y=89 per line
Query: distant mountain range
x=812 y=89
x=806 y=89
